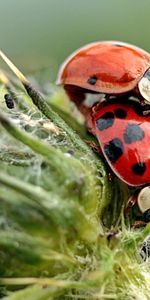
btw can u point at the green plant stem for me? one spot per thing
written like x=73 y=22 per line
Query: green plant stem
x=34 y=192
x=72 y=172
x=47 y=111
x=43 y=281
x=53 y=116
x=65 y=166
x=36 y=292
x=55 y=209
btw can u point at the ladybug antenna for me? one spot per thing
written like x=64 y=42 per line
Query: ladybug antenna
x=144 y=86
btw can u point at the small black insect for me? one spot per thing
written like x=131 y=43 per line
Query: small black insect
x=9 y=101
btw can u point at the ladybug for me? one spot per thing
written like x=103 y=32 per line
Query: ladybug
x=123 y=133
x=9 y=101
x=107 y=67
x=143 y=200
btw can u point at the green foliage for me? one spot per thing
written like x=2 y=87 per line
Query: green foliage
x=62 y=234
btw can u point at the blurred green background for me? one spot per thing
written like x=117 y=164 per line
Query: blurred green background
x=39 y=34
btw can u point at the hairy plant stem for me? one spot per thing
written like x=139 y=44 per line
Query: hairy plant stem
x=48 y=112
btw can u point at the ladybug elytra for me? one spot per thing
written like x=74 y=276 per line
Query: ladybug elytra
x=123 y=133
x=109 y=67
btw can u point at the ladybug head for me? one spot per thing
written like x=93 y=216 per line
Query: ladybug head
x=144 y=86
x=143 y=201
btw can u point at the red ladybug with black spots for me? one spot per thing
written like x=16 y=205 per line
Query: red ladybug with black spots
x=108 y=67
x=123 y=133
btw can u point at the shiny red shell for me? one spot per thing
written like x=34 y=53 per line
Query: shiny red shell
x=124 y=136
x=105 y=67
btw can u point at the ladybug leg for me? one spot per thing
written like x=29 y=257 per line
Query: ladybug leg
x=146 y=112
x=138 y=224
x=131 y=202
x=106 y=97
x=96 y=107
x=96 y=148
x=77 y=96
x=145 y=108
x=89 y=115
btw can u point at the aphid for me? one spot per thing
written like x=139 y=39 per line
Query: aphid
x=9 y=101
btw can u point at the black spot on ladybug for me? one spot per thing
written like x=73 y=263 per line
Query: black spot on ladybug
x=92 y=80
x=114 y=149
x=105 y=121
x=139 y=168
x=146 y=215
x=9 y=101
x=133 y=133
x=120 y=113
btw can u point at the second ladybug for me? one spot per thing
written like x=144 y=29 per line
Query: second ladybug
x=108 y=67
x=123 y=133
